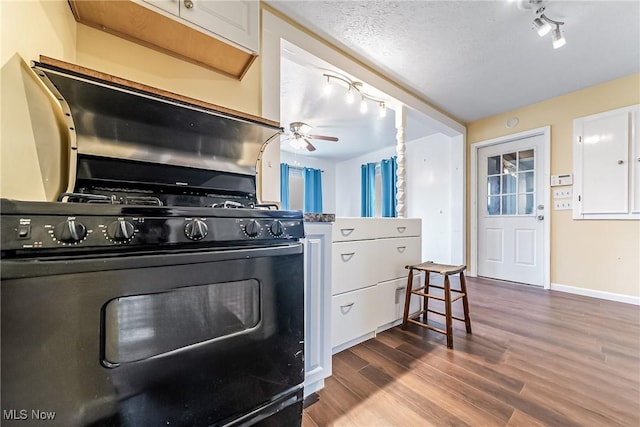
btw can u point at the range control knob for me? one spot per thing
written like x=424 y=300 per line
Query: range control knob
x=276 y=228
x=196 y=229
x=120 y=230
x=70 y=231
x=252 y=229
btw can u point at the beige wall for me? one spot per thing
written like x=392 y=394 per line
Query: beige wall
x=600 y=255
x=33 y=149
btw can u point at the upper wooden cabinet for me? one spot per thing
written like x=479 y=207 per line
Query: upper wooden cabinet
x=220 y=35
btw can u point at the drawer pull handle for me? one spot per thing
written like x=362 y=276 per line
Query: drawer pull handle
x=347 y=257
x=346 y=231
x=401 y=249
x=400 y=288
x=401 y=229
x=346 y=308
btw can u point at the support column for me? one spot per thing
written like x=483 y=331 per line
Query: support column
x=401 y=122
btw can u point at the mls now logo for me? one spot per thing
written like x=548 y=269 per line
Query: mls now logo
x=23 y=414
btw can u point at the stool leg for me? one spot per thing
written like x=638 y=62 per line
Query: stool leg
x=427 y=277
x=465 y=302
x=447 y=311
x=407 y=299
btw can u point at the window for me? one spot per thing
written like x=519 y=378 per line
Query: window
x=511 y=183
x=296 y=189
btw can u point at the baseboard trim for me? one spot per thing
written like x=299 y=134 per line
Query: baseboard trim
x=596 y=294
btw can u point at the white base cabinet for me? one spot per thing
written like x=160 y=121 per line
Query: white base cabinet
x=368 y=277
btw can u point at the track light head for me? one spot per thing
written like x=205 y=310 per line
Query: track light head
x=558 y=38
x=542 y=27
x=350 y=97
x=383 y=110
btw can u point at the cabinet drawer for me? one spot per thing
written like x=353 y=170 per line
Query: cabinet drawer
x=354 y=314
x=392 y=294
x=354 y=265
x=399 y=227
x=347 y=229
x=394 y=254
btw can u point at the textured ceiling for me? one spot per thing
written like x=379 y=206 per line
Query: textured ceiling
x=474 y=59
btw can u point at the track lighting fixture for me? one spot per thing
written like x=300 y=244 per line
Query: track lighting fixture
x=543 y=24
x=353 y=89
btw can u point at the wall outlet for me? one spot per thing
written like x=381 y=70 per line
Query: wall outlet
x=562 y=205
x=563 y=193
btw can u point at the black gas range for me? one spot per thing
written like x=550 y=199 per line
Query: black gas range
x=157 y=290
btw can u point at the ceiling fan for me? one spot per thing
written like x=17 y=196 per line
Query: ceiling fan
x=300 y=137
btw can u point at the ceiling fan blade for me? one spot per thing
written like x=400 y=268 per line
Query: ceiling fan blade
x=324 y=138
x=310 y=146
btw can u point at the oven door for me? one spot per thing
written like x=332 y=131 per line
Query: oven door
x=181 y=339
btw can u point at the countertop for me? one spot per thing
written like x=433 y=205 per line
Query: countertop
x=319 y=217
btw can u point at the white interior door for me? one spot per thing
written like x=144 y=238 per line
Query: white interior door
x=511 y=210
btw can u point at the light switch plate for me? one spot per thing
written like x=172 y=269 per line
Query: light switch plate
x=563 y=193
x=562 y=205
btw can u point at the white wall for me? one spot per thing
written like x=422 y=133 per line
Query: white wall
x=328 y=176
x=435 y=178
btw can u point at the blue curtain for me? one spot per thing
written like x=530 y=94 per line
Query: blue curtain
x=284 y=185
x=312 y=190
x=388 y=168
x=367 y=189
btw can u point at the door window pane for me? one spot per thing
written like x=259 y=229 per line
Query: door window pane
x=509 y=205
x=509 y=163
x=525 y=182
x=493 y=205
x=525 y=204
x=525 y=160
x=494 y=185
x=508 y=184
x=493 y=165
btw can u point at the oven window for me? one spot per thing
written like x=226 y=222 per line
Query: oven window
x=142 y=326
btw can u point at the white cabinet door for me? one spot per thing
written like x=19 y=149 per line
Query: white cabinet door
x=349 y=229
x=354 y=265
x=395 y=254
x=605 y=159
x=392 y=295
x=353 y=315
x=400 y=227
x=237 y=21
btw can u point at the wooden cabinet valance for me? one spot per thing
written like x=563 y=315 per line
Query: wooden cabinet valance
x=153 y=27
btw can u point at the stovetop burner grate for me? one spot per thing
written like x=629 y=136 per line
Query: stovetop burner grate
x=110 y=200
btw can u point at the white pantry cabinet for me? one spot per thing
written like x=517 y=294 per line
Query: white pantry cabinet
x=317 y=305
x=368 y=275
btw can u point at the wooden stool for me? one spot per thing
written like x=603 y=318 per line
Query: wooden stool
x=445 y=270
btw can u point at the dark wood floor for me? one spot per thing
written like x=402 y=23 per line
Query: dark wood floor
x=535 y=358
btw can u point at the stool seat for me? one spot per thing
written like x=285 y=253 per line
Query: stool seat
x=444 y=270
